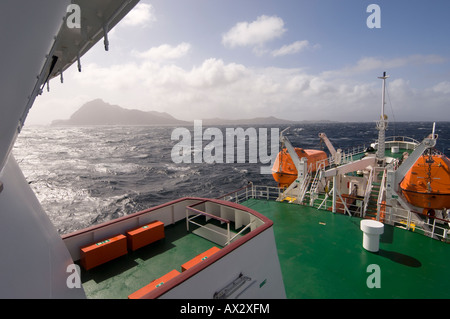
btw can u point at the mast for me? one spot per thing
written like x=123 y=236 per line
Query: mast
x=382 y=123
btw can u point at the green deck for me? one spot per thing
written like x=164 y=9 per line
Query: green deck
x=321 y=256
x=120 y=277
x=320 y=253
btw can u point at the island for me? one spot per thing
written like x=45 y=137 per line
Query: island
x=99 y=112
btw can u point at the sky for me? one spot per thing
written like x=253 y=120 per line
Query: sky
x=292 y=59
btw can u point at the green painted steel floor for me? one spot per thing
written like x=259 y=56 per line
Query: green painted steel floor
x=321 y=256
x=120 y=277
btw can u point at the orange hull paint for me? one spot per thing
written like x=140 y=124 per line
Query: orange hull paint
x=284 y=171
x=415 y=185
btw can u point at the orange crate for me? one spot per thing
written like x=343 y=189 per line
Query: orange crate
x=145 y=235
x=103 y=251
x=153 y=285
x=194 y=261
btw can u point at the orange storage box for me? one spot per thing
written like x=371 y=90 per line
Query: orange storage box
x=194 y=261
x=103 y=251
x=144 y=235
x=153 y=285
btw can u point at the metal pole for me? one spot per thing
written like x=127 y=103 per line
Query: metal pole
x=334 y=194
x=381 y=125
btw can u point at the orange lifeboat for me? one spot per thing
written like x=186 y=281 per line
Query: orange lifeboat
x=284 y=171
x=427 y=183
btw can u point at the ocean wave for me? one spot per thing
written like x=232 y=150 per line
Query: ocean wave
x=87 y=175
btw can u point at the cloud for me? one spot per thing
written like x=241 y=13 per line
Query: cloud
x=215 y=73
x=255 y=33
x=218 y=89
x=442 y=87
x=292 y=48
x=141 y=15
x=372 y=63
x=258 y=33
x=165 y=52
x=215 y=88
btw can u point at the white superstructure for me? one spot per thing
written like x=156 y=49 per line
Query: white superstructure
x=37 y=45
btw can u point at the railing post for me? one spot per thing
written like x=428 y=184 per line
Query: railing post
x=408 y=222
x=434 y=226
x=334 y=195
x=187 y=220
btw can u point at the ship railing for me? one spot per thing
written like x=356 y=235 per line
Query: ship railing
x=350 y=152
x=381 y=195
x=346 y=156
x=222 y=214
x=405 y=142
x=429 y=225
x=252 y=191
x=400 y=138
x=432 y=226
x=368 y=191
x=265 y=192
x=190 y=219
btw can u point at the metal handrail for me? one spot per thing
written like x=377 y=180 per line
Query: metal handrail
x=237 y=234
x=368 y=191
x=201 y=213
x=380 y=194
x=396 y=215
x=400 y=138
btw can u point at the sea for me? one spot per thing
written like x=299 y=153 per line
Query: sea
x=87 y=175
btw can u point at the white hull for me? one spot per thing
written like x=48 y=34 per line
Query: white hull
x=34 y=259
x=265 y=278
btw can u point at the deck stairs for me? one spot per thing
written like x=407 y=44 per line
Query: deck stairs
x=374 y=197
x=296 y=192
x=371 y=210
x=322 y=200
x=314 y=187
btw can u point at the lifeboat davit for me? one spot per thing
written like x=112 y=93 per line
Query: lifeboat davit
x=427 y=183
x=284 y=171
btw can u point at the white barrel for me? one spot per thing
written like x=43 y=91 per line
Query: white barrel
x=371 y=234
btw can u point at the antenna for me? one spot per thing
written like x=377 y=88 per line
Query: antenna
x=383 y=102
x=382 y=123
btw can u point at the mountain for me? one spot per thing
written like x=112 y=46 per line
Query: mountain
x=254 y=121
x=98 y=112
x=259 y=121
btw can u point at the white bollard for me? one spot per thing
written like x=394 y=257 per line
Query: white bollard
x=371 y=234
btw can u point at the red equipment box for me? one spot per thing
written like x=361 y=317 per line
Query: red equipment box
x=144 y=235
x=194 y=261
x=153 y=285
x=103 y=251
